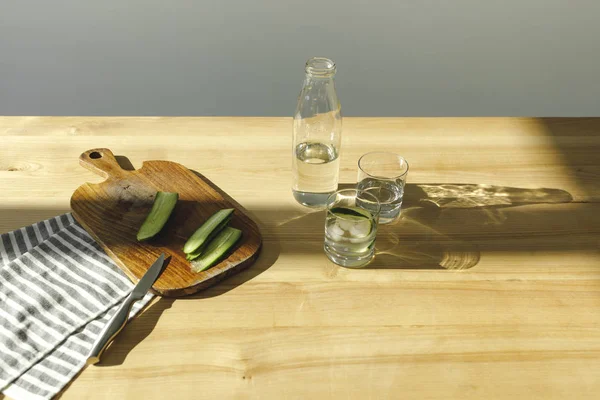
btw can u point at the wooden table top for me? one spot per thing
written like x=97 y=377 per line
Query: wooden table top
x=489 y=286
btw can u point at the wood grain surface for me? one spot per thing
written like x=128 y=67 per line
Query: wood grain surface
x=489 y=286
x=112 y=212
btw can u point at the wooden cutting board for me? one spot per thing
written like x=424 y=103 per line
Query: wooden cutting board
x=112 y=212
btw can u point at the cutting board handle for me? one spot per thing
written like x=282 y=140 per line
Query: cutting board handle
x=101 y=162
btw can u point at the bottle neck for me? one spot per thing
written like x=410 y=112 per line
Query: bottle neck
x=318 y=81
x=318 y=95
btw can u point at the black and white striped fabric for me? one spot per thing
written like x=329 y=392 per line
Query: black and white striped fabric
x=57 y=291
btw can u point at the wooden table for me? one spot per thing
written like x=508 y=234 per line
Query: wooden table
x=489 y=287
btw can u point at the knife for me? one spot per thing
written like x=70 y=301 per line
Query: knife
x=119 y=320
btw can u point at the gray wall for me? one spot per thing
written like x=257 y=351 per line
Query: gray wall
x=236 y=57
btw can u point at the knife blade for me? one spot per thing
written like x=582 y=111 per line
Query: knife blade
x=119 y=320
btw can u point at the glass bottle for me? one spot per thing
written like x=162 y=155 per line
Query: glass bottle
x=317 y=135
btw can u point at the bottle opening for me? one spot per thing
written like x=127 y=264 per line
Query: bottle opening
x=320 y=66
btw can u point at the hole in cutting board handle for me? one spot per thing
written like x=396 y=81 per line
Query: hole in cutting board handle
x=95 y=155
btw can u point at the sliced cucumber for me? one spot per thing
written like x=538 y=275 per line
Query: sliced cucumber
x=163 y=206
x=217 y=248
x=351 y=212
x=196 y=253
x=207 y=231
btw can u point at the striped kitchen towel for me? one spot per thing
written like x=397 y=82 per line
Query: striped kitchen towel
x=58 y=289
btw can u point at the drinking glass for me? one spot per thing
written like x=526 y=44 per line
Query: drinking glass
x=351 y=227
x=383 y=174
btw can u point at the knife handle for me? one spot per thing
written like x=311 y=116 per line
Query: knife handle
x=112 y=329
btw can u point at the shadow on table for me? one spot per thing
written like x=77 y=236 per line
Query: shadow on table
x=445 y=226
x=134 y=332
x=576 y=139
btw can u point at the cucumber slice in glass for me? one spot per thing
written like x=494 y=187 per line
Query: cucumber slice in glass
x=351 y=212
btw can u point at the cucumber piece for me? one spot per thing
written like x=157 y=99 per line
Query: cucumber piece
x=203 y=234
x=351 y=212
x=217 y=248
x=196 y=253
x=163 y=206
